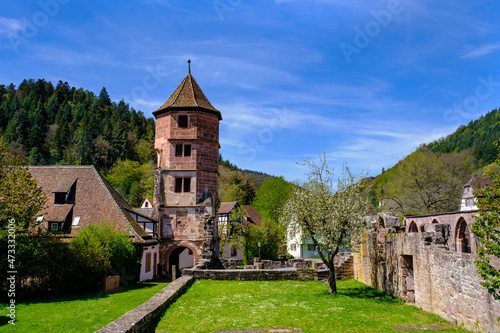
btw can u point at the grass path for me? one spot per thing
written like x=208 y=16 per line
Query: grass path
x=235 y=305
x=77 y=315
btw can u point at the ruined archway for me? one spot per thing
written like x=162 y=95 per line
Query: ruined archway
x=413 y=227
x=182 y=256
x=462 y=237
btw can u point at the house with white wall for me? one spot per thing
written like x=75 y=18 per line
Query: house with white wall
x=78 y=196
x=299 y=246
x=227 y=226
x=468 y=200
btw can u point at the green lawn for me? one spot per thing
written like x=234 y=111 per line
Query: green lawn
x=235 y=305
x=79 y=315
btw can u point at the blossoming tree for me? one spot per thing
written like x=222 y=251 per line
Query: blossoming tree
x=329 y=212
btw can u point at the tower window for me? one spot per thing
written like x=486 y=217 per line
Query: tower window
x=182 y=185
x=178 y=150
x=178 y=185
x=183 y=121
x=187 y=184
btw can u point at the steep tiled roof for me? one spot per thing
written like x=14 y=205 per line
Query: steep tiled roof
x=58 y=213
x=188 y=95
x=64 y=184
x=480 y=183
x=147 y=212
x=227 y=207
x=253 y=217
x=95 y=200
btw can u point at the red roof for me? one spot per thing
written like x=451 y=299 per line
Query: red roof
x=253 y=217
x=188 y=95
x=227 y=207
x=95 y=200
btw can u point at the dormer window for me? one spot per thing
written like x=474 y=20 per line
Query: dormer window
x=64 y=193
x=182 y=121
x=59 y=198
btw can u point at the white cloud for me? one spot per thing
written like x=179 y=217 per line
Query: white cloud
x=481 y=51
x=11 y=27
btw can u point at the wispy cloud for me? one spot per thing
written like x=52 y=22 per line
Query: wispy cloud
x=72 y=57
x=10 y=27
x=481 y=51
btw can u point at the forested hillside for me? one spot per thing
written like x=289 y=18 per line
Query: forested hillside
x=430 y=180
x=478 y=136
x=48 y=125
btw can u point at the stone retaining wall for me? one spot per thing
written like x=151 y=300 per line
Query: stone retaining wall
x=141 y=317
x=425 y=270
x=251 y=274
x=294 y=269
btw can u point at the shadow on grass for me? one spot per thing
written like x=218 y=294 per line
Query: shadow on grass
x=94 y=295
x=366 y=292
x=4 y=320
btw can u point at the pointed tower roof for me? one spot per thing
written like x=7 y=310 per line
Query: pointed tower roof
x=188 y=95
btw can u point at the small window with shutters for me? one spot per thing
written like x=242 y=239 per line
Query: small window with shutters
x=187 y=150
x=182 y=121
x=178 y=185
x=187 y=184
x=178 y=150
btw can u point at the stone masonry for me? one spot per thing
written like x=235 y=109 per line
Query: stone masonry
x=187 y=177
x=138 y=319
x=428 y=267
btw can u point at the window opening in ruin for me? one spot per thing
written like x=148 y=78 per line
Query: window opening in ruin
x=463 y=237
x=407 y=278
x=413 y=227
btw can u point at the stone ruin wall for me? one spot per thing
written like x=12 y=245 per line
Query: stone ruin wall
x=425 y=270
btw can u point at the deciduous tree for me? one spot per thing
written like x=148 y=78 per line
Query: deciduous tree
x=330 y=213
x=424 y=185
x=20 y=196
x=487 y=229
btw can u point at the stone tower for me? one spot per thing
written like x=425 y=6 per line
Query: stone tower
x=187 y=146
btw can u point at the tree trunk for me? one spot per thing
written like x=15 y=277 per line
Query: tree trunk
x=332 y=280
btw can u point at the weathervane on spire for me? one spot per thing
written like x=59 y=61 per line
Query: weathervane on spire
x=189 y=66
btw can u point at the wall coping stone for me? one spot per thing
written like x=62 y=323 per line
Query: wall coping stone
x=141 y=317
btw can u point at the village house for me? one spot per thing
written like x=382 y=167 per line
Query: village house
x=299 y=246
x=468 y=200
x=78 y=196
x=228 y=225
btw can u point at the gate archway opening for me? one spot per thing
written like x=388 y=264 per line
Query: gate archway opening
x=181 y=257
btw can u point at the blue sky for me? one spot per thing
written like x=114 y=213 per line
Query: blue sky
x=365 y=82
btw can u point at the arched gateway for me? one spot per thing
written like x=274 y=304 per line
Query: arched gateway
x=187 y=145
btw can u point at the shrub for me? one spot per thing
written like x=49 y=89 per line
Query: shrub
x=101 y=250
